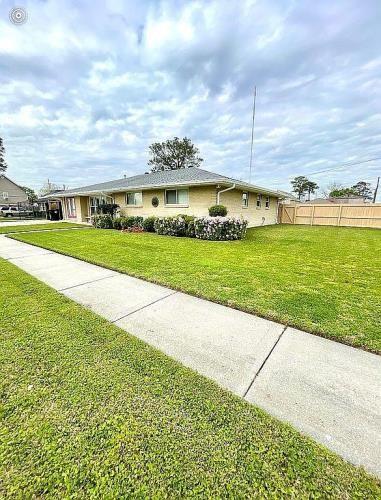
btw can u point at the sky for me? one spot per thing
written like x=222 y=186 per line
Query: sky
x=87 y=86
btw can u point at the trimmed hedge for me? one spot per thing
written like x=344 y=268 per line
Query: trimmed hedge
x=149 y=224
x=106 y=221
x=132 y=221
x=218 y=211
x=103 y=221
x=205 y=228
x=179 y=225
x=220 y=228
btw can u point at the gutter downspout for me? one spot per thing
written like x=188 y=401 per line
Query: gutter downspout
x=224 y=191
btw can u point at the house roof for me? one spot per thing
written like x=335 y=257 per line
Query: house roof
x=3 y=176
x=192 y=176
x=286 y=194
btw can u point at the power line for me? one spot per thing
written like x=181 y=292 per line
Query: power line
x=345 y=165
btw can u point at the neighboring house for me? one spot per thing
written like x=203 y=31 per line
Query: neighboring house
x=188 y=191
x=10 y=192
x=340 y=200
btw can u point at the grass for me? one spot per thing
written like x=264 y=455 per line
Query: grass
x=88 y=411
x=325 y=280
x=37 y=227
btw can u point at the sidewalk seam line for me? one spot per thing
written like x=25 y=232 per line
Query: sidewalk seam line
x=143 y=307
x=26 y=256
x=264 y=362
x=86 y=283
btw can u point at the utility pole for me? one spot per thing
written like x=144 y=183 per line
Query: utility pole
x=252 y=134
x=376 y=190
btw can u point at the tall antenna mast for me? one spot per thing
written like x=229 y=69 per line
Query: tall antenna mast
x=252 y=134
x=375 y=191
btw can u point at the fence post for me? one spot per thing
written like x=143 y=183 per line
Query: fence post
x=294 y=218
x=339 y=217
x=312 y=215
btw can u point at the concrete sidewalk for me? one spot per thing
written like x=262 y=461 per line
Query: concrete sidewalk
x=17 y=222
x=329 y=391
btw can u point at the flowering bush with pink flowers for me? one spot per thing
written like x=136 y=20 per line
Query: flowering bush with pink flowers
x=220 y=228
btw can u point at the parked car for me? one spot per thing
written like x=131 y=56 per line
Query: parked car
x=8 y=211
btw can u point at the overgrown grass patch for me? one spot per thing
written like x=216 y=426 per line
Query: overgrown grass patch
x=325 y=280
x=88 y=411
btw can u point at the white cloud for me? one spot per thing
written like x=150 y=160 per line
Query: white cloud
x=84 y=90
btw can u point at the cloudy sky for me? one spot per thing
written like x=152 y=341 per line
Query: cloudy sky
x=86 y=86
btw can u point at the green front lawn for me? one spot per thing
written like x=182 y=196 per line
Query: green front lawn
x=37 y=227
x=88 y=411
x=325 y=280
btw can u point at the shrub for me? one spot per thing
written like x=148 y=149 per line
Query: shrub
x=171 y=226
x=117 y=223
x=108 y=208
x=103 y=221
x=220 y=228
x=149 y=224
x=189 y=225
x=131 y=221
x=218 y=211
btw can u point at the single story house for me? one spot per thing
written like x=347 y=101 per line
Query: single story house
x=185 y=191
x=10 y=192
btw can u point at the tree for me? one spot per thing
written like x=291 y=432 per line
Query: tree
x=311 y=188
x=340 y=192
x=3 y=165
x=360 y=189
x=48 y=187
x=32 y=197
x=363 y=188
x=299 y=185
x=173 y=154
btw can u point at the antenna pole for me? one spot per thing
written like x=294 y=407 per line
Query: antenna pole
x=252 y=134
x=375 y=191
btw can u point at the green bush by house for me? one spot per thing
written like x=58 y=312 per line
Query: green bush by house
x=218 y=211
x=149 y=224
x=205 y=228
x=220 y=228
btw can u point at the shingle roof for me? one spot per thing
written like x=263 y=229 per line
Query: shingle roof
x=185 y=176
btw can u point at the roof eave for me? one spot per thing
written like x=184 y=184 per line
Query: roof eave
x=146 y=187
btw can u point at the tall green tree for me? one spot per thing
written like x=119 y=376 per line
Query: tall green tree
x=363 y=188
x=32 y=197
x=311 y=187
x=173 y=154
x=3 y=165
x=300 y=185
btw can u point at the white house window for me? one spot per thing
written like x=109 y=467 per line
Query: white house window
x=70 y=208
x=94 y=204
x=5 y=195
x=245 y=199
x=267 y=202
x=176 y=197
x=259 y=201
x=134 y=198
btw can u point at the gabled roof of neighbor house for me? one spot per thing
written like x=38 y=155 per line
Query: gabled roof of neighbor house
x=3 y=176
x=192 y=176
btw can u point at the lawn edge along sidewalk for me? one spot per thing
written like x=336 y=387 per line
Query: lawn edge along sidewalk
x=327 y=390
x=355 y=328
